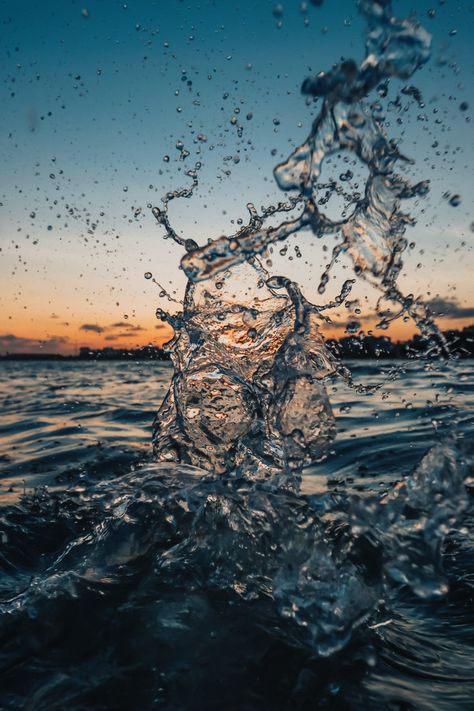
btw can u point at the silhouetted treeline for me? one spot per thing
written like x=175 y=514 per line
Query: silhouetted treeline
x=144 y=353
x=461 y=344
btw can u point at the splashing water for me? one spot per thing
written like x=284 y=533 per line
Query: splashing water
x=220 y=512
x=248 y=398
x=248 y=391
x=222 y=409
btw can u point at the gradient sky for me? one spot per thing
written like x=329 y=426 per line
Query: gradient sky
x=95 y=96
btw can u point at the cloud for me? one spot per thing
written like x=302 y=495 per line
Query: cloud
x=117 y=336
x=440 y=306
x=449 y=307
x=92 y=328
x=9 y=343
x=126 y=324
x=336 y=325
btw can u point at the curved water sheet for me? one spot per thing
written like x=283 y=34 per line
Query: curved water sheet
x=248 y=392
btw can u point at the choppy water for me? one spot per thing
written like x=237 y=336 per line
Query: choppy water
x=128 y=584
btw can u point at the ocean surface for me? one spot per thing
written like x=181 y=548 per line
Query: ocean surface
x=98 y=611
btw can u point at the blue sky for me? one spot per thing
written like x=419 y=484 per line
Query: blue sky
x=96 y=94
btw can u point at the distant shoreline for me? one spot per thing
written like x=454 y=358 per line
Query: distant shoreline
x=52 y=357
x=60 y=357
x=357 y=347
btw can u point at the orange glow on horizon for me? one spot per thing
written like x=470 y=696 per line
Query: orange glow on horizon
x=52 y=335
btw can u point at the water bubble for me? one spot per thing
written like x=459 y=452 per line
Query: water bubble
x=148 y=275
x=346 y=176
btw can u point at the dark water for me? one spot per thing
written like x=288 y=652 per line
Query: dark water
x=128 y=584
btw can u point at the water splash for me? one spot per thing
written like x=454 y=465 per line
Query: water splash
x=222 y=410
x=310 y=569
x=220 y=512
x=248 y=399
x=374 y=234
x=248 y=390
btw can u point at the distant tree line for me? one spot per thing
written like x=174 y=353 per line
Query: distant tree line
x=461 y=344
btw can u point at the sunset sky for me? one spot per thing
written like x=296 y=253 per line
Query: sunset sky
x=95 y=96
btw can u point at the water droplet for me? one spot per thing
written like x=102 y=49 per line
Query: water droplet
x=346 y=176
x=278 y=10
